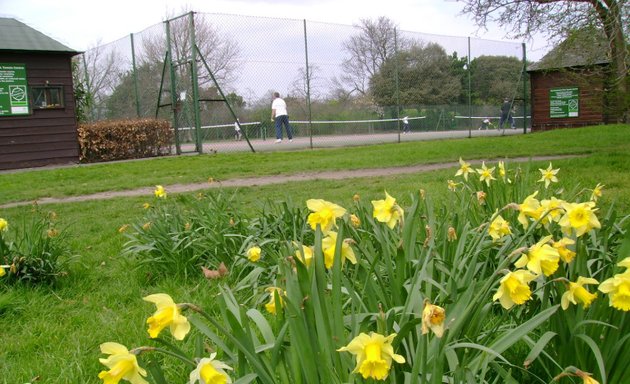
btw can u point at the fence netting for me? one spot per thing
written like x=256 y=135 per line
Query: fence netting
x=213 y=75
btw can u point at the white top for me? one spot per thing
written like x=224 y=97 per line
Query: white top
x=280 y=106
x=236 y=127
x=405 y=120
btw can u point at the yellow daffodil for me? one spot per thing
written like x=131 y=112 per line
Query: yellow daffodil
x=433 y=319
x=374 y=354
x=356 y=197
x=253 y=254
x=166 y=315
x=499 y=228
x=387 y=211
x=577 y=293
x=146 y=226
x=541 y=258
x=324 y=214
x=618 y=290
x=565 y=253
x=597 y=192
x=210 y=371
x=4 y=225
x=586 y=377
x=529 y=210
x=160 y=192
x=514 y=288
x=451 y=234
x=452 y=186
x=2 y=271
x=548 y=175
x=551 y=210
x=355 y=221
x=503 y=173
x=579 y=217
x=52 y=232
x=481 y=197
x=123 y=228
x=464 y=169
x=273 y=293
x=625 y=263
x=146 y=205
x=329 y=244
x=485 y=173
x=122 y=364
x=304 y=254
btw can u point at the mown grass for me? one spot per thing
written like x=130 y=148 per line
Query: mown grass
x=85 y=179
x=54 y=332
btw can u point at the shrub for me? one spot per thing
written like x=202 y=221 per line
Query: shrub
x=124 y=139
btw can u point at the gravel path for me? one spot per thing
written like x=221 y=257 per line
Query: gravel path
x=267 y=180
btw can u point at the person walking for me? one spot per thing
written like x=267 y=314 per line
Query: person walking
x=506 y=113
x=238 y=135
x=280 y=116
x=405 y=125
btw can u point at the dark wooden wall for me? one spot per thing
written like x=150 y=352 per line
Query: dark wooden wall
x=591 y=97
x=46 y=136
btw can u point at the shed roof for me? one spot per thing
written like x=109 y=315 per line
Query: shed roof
x=17 y=36
x=582 y=48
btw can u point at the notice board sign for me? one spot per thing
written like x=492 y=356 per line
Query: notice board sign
x=564 y=102
x=13 y=90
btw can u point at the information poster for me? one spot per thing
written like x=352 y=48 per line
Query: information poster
x=13 y=91
x=564 y=102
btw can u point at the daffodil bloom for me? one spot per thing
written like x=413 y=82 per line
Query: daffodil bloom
x=597 y=192
x=577 y=293
x=273 y=293
x=499 y=228
x=451 y=234
x=514 y=288
x=464 y=169
x=481 y=197
x=528 y=210
x=503 y=173
x=356 y=222
x=324 y=214
x=356 y=197
x=329 y=244
x=548 y=175
x=374 y=354
x=551 y=210
x=387 y=211
x=625 y=263
x=586 y=377
x=166 y=315
x=565 y=253
x=159 y=192
x=122 y=364
x=123 y=228
x=485 y=173
x=146 y=205
x=618 y=290
x=253 y=254
x=579 y=217
x=4 y=225
x=2 y=271
x=304 y=254
x=433 y=319
x=541 y=258
x=210 y=371
x=452 y=186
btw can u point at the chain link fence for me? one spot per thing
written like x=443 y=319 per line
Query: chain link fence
x=213 y=75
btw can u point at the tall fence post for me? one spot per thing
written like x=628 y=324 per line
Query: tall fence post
x=308 y=88
x=135 y=75
x=524 y=88
x=174 y=103
x=396 y=55
x=470 y=121
x=88 y=86
x=195 y=83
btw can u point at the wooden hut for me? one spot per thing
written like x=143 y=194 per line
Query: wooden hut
x=38 y=125
x=568 y=84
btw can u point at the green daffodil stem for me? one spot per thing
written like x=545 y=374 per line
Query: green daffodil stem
x=140 y=350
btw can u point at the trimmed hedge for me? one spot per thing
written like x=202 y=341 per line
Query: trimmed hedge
x=124 y=139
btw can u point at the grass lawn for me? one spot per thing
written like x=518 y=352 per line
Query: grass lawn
x=54 y=332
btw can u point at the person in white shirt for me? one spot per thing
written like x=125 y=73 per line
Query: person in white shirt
x=405 y=124
x=237 y=130
x=280 y=115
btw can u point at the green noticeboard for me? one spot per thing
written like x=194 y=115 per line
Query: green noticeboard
x=564 y=102
x=13 y=90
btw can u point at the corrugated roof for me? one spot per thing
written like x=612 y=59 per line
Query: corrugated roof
x=582 y=48
x=17 y=36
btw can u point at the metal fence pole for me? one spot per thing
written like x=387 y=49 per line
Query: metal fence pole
x=397 y=83
x=87 y=85
x=470 y=121
x=174 y=103
x=135 y=75
x=195 y=83
x=524 y=89
x=308 y=89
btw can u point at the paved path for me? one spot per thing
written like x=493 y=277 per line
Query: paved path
x=267 y=180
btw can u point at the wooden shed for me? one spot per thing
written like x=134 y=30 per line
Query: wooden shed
x=568 y=84
x=38 y=125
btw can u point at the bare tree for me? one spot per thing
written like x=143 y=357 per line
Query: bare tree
x=312 y=85
x=557 y=19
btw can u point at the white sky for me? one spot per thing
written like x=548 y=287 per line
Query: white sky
x=82 y=24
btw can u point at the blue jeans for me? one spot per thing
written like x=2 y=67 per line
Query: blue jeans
x=283 y=120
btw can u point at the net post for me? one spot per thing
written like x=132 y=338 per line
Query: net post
x=195 y=82
x=169 y=57
x=524 y=88
x=308 y=88
x=135 y=75
x=470 y=121
x=397 y=83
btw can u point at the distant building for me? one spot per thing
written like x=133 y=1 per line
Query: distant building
x=568 y=85
x=38 y=125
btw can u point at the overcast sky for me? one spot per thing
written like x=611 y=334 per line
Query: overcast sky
x=81 y=24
